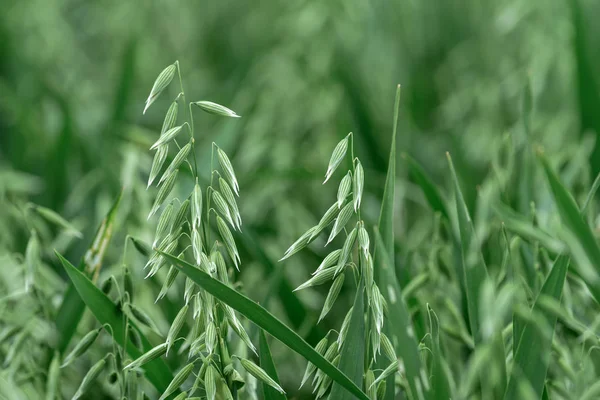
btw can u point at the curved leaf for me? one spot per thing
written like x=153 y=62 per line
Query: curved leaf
x=72 y=307
x=264 y=320
x=532 y=356
x=266 y=363
x=106 y=312
x=353 y=348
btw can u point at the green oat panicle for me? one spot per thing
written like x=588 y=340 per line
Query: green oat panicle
x=81 y=347
x=197 y=205
x=166 y=137
x=170 y=117
x=229 y=242
x=162 y=81
x=181 y=215
x=318 y=279
x=179 y=158
x=32 y=259
x=346 y=250
x=299 y=244
x=228 y=170
x=222 y=207
x=363 y=238
x=152 y=354
x=52 y=384
x=210 y=382
x=334 y=291
x=164 y=223
x=159 y=159
x=181 y=376
x=358 y=184
x=164 y=192
x=325 y=220
x=336 y=157
x=259 y=374
x=341 y=221
x=344 y=189
x=141 y=316
x=197 y=245
x=176 y=326
x=217 y=109
x=369 y=380
x=330 y=260
x=89 y=378
x=388 y=348
x=321 y=347
x=230 y=198
x=390 y=370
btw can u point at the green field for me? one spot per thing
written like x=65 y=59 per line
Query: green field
x=299 y=200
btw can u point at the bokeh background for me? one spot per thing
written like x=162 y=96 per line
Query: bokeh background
x=74 y=76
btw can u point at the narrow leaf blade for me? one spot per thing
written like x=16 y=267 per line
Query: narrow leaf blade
x=353 y=348
x=106 y=312
x=266 y=363
x=264 y=320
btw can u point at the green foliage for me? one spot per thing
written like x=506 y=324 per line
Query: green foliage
x=480 y=277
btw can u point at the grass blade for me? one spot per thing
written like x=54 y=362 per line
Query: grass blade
x=532 y=356
x=400 y=329
x=72 y=307
x=106 y=312
x=577 y=226
x=431 y=192
x=266 y=363
x=353 y=348
x=385 y=275
x=264 y=320
x=475 y=274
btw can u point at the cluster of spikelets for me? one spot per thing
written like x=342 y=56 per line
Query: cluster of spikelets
x=187 y=225
x=207 y=343
x=354 y=255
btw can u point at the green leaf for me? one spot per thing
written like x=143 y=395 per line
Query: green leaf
x=264 y=320
x=430 y=190
x=72 y=307
x=353 y=348
x=533 y=352
x=398 y=325
x=523 y=227
x=385 y=275
x=266 y=363
x=107 y=313
x=578 y=228
x=475 y=274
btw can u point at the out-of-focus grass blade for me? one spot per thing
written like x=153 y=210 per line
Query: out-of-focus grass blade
x=432 y=194
x=353 y=348
x=523 y=227
x=475 y=273
x=439 y=380
x=533 y=351
x=72 y=307
x=587 y=85
x=401 y=331
x=106 y=312
x=578 y=227
x=266 y=321
x=266 y=363
x=385 y=276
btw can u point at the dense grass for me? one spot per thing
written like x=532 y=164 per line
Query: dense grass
x=479 y=198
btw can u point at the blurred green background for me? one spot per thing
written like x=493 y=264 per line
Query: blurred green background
x=74 y=76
